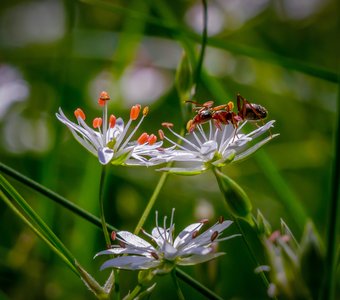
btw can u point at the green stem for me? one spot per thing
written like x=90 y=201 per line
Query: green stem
x=197 y=285
x=135 y=292
x=204 y=42
x=151 y=202
x=101 y=205
x=328 y=290
x=53 y=196
x=178 y=288
x=66 y=256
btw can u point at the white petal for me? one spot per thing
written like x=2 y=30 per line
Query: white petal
x=197 y=259
x=119 y=250
x=209 y=148
x=131 y=263
x=186 y=234
x=169 y=251
x=105 y=155
x=133 y=239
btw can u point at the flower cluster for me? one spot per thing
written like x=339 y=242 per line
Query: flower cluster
x=188 y=248
x=109 y=139
x=110 y=142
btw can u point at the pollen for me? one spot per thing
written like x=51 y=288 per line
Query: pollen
x=79 y=114
x=104 y=96
x=145 y=110
x=134 y=113
x=112 y=121
x=97 y=122
x=152 y=139
x=143 y=138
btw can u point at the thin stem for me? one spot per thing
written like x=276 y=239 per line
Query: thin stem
x=53 y=196
x=101 y=205
x=135 y=292
x=178 y=288
x=328 y=290
x=197 y=285
x=151 y=202
x=204 y=42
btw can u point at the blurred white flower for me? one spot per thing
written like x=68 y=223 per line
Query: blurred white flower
x=109 y=140
x=188 y=248
x=200 y=151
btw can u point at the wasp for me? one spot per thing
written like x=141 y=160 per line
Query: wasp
x=224 y=114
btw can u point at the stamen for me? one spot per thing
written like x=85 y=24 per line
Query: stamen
x=113 y=235
x=79 y=114
x=214 y=236
x=104 y=96
x=97 y=122
x=190 y=127
x=167 y=124
x=195 y=234
x=154 y=254
x=161 y=134
x=145 y=110
x=122 y=244
x=152 y=139
x=134 y=113
x=143 y=138
x=221 y=219
x=112 y=121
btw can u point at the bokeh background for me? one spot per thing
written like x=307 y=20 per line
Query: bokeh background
x=281 y=54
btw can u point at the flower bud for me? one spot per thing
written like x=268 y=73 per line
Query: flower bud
x=237 y=200
x=184 y=78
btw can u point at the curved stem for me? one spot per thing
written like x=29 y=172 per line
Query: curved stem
x=101 y=205
x=151 y=203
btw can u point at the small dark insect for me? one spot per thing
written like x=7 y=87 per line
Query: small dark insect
x=224 y=114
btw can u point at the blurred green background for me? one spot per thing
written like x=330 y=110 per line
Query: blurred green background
x=281 y=54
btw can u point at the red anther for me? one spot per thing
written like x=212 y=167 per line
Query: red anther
x=79 y=114
x=204 y=221
x=134 y=112
x=214 y=236
x=104 y=96
x=161 y=134
x=112 y=121
x=167 y=124
x=97 y=122
x=143 y=138
x=152 y=139
x=221 y=219
x=113 y=235
x=154 y=254
x=194 y=234
x=145 y=110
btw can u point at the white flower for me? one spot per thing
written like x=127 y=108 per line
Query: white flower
x=188 y=248
x=200 y=151
x=109 y=142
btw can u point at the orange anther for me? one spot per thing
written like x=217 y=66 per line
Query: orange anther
x=143 y=138
x=152 y=139
x=112 y=121
x=104 y=96
x=145 y=110
x=167 y=124
x=161 y=134
x=134 y=113
x=79 y=114
x=97 y=122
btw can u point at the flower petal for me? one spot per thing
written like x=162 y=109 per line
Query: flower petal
x=105 y=155
x=133 y=240
x=131 y=263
